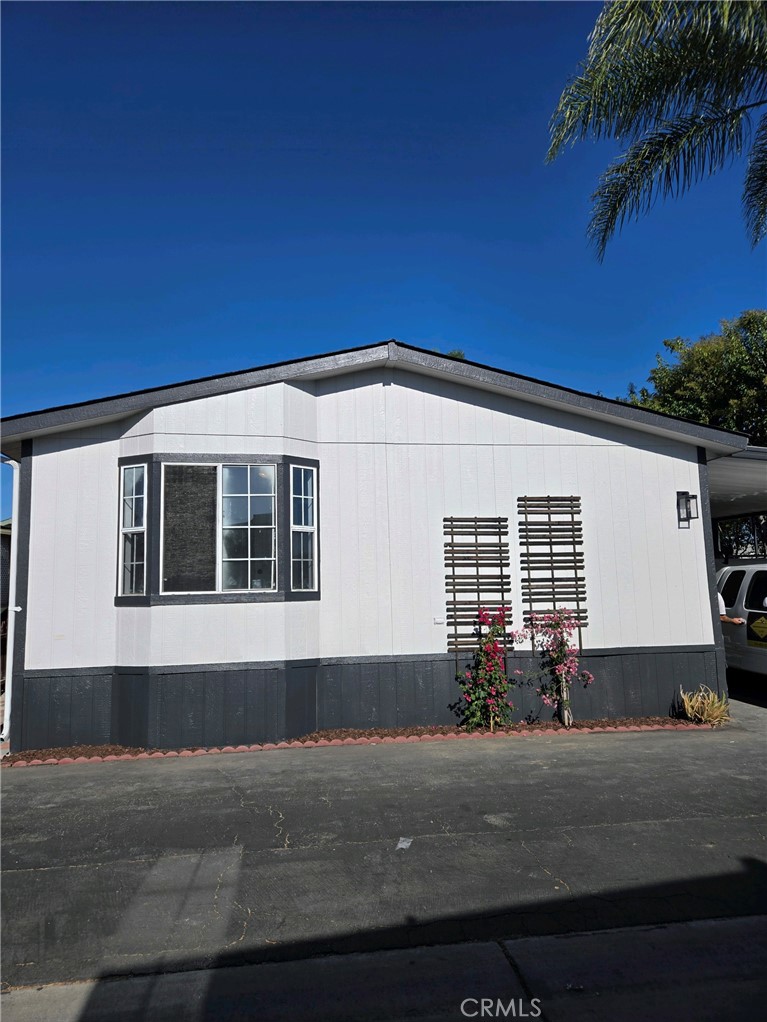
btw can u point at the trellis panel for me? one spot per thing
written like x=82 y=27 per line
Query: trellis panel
x=476 y=575
x=553 y=572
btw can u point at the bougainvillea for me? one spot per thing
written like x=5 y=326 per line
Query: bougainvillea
x=485 y=684
x=552 y=638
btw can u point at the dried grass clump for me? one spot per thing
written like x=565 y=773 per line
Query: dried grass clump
x=705 y=706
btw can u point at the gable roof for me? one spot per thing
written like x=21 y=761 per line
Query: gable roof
x=392 y=354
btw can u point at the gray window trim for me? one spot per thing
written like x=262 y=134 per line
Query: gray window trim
x=283 y=593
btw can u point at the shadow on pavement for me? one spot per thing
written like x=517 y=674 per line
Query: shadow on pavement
x=215 y=993
x=747 y=687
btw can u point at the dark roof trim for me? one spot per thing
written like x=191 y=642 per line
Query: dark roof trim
x=549 y=393
x=752 y=454
x=122 y=405
x=392 y=353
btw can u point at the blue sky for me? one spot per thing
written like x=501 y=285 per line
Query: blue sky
x=203 y=187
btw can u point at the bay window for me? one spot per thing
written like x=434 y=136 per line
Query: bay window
x=217 y=530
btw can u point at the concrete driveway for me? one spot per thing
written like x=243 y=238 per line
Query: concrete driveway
x=152 y=867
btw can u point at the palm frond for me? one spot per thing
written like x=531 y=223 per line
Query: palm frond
x=630 y=82
x=626 y=24
x=755 y=186
x=622 y=99
x=664 y=162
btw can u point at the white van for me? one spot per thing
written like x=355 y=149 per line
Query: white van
x=744 y=591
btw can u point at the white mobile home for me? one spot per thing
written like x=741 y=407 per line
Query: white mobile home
x=249 y=557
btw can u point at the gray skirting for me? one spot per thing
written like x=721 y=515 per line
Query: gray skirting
x=235 y=704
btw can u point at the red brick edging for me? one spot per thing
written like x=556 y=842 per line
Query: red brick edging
x=373 y=740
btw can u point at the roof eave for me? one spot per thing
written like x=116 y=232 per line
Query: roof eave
x=393 y=354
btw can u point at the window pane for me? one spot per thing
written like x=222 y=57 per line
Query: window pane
x=298 y=511
x=138 y=512
x=757 y=592
x=235 y=542
x=309 y=512
x=138 y=481
x=302 y=570
x=262 y=575
x=262 y=479
x=189 y=528
x=261 y=510
x=235 y=479
x=235 y=510
x=128 y=513
x=261 y=542
x=133 y=564
x=303 y=482
x=760 y=527
x=297 y=576
x=731 y=587
x=235 y=575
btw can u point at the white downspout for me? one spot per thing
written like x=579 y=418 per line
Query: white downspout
x=12 y=608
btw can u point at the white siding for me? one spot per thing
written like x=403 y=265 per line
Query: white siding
x=398 y=452
x=71 y=618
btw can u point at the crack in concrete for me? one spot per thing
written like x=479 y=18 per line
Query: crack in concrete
x=235 y=862
x=245 y=924
x=239 y=794
x=256 y=808
x=547 y=871
x=280 y=830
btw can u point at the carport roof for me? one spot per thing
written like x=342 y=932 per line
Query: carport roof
x=738 y=485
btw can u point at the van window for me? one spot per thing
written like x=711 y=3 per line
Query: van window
x=731 y=587
x=757 y=592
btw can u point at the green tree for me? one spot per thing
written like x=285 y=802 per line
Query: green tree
x=719 y=380
x=676 y=83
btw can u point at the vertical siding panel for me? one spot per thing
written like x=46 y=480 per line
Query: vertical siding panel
x=353 y=534
x=214 y=721
x=369 y=701
x=81 y=711
x=350 y=695
x=37 y=723
x=190 y=689
x=382 y=539
x=168 y=689
x=274 y=706
x=387 y=694
x=61 y=710
x=233 y=684
x=423 y=694
x=327 y=701
x=255 y=699
x=406 y=707
x=615 y=698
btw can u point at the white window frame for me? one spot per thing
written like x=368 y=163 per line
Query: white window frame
x=311 y=529
x=220 y=526
x=132 y=530
x=219 y=466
